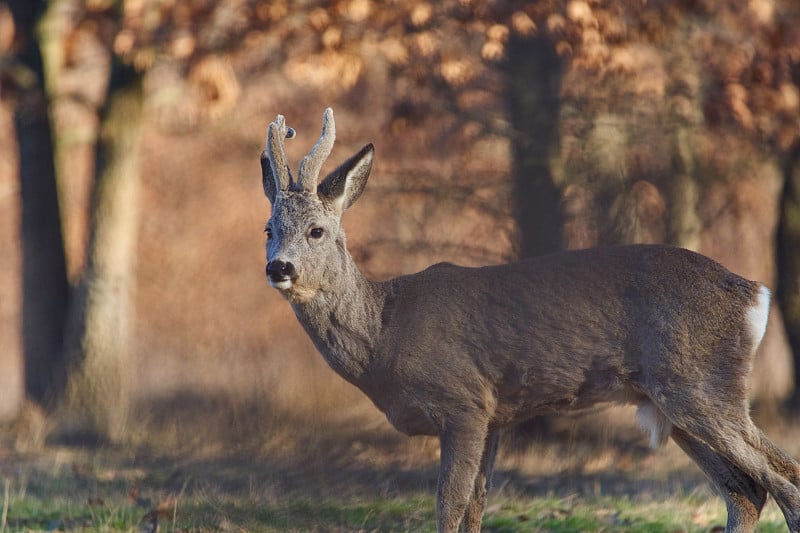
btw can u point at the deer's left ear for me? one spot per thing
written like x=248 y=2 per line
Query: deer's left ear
x=343 y=186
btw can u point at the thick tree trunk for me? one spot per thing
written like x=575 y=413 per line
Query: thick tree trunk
x=45 y=290
x=741 y=233
x=788 y=251
x=100 y=322
x=533 y=97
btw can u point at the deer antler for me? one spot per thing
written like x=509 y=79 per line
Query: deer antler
x=312 y=163
x=277 y=132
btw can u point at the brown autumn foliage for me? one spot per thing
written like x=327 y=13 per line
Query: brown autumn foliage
x=675 y=121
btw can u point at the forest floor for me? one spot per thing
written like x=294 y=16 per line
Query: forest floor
x=584 y=477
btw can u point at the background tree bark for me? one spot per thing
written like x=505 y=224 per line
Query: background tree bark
x=533 y=103
x=101 y=315
x=535 y=71
x=45 y=291
x=683 y=223
x=788 y=252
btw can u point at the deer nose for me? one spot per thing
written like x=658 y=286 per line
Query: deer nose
x=280 y=270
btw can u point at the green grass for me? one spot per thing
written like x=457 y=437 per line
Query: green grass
x=30 y=514
x=200 y=511
x=300 y=515
x=113 y=494
x=620 y=514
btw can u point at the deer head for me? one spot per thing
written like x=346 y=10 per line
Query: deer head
x=305 y=240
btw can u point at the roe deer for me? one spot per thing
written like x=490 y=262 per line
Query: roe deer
x=461 y=353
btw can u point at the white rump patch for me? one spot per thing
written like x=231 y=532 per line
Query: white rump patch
x=653 y=422
x=757 y=316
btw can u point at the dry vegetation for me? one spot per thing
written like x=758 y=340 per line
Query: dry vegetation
x=364 y=479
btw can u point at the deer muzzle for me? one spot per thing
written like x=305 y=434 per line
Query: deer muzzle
x=281 y=274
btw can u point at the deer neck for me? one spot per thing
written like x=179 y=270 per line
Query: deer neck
x=344 y=320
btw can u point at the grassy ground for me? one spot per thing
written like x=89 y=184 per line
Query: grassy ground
x=357 y=475
x=64 y=506
x=374 y=481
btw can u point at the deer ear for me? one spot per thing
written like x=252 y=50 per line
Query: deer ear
x=343 y=186
x=267 y=177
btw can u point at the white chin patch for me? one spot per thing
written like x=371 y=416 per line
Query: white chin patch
x=283 y=284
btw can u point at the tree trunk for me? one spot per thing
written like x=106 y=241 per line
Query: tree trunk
x=45 y=289
x=101 y=316
x=533 y=97
x=683 y=222
x=788 y=251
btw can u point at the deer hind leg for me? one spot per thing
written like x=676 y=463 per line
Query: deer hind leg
x=744 y=498
x=483 y=481
x=715 y=412
x=780 y=461
x=726 y=428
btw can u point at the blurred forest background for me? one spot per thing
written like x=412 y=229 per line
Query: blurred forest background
x=133 y=303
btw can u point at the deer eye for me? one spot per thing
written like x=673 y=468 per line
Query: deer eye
x=268 y=231
x=316 y=233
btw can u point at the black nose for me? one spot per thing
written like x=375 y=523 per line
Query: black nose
x=280 y=270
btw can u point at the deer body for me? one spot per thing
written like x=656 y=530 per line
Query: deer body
x=461 y=353
x=434 y=332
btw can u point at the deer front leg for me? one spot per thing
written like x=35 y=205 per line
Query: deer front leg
x=483 y=482
x=462 y=447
